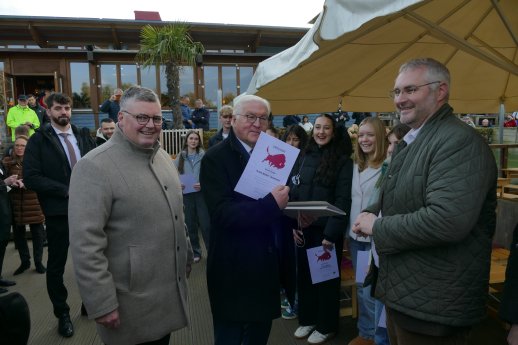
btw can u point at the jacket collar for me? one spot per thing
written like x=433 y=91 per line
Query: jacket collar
x=122 y=139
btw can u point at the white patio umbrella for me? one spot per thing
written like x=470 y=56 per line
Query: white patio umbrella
x=354 y=50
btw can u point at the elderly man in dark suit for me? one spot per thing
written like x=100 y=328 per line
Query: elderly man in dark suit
x=242 y=265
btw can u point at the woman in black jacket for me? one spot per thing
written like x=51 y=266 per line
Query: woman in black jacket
x=323 y=173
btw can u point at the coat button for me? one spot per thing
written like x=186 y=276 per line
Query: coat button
x=175 y=217
x=165 y=187
x=178 y=248
x=179 y=279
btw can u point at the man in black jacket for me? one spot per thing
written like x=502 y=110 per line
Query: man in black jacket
x=200 y=116
x=49 y=158
x=225 y=117
x=38 y=109
x=112 y=106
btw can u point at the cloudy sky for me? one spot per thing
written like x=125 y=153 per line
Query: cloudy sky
x=293 y=13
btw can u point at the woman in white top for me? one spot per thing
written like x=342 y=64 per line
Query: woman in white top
x=308 y=126
x=369 y=154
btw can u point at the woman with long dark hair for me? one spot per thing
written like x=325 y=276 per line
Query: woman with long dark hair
x=188 y=161
x=324 y=173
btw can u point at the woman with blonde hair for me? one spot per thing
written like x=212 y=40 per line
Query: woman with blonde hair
x=26 y=209
x=369 y=154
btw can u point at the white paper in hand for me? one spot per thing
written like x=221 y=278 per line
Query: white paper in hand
x=322 y=264
x=269 y=166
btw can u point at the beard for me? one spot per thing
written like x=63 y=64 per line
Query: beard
x=62 y=120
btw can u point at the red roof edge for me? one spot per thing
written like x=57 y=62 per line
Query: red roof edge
x=147 y=15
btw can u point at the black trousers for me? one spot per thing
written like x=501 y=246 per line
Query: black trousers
x=3 y=245
x=21 y=243
x=57 y=237
x=319 y=304
x=241 y=333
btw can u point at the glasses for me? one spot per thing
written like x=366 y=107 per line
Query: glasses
x=143 y=119
x=226 y=116
x=250 y=118
x=409 y=90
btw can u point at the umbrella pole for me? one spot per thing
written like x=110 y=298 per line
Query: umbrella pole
x=501 y=119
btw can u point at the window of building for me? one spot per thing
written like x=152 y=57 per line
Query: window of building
x=79 y=77
x=245 y=76
x=210 y=86
x=229 y=83
x=148 y=77
x=128 y=76
x=186 y=84
x=187 y=81
x=108 y=81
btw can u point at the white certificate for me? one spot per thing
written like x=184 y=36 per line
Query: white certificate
x=188 y=181
x=269 y=166
x=322 y=264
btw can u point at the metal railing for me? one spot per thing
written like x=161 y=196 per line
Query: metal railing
x=172 y=139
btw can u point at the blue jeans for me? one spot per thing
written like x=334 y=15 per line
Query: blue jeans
x=366 y=323
x=381 y=335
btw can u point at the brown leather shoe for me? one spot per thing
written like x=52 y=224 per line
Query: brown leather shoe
x=361 y=341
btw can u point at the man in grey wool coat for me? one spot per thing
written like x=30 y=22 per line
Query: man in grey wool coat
x=128 y=241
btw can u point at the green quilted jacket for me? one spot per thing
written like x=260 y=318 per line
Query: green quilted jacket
x=438 y=203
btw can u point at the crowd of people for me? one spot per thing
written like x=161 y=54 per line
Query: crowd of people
x=131 y=216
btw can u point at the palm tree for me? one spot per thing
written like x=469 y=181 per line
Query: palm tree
x=173 y=47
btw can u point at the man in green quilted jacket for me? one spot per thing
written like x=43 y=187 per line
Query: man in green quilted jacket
x=437 y=205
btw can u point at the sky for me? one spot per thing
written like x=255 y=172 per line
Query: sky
x=290 y=13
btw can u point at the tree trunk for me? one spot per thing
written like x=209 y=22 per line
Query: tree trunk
x=172 y=71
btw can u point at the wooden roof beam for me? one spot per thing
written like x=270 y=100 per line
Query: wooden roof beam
x=37 y=37
x=115 y=37
x=256 y=42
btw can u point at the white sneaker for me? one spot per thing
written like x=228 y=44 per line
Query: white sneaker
x=318 y=338
x=303 y=331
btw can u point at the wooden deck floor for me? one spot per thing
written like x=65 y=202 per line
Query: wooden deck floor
x=44 y=325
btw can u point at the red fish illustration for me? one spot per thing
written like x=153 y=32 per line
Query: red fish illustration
x=278 y=161
x=324 y=257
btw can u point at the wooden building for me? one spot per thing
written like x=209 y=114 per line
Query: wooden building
x=88 y=58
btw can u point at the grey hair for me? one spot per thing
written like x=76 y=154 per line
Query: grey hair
x=138 y=93
x=435 y=70
x=240 y=101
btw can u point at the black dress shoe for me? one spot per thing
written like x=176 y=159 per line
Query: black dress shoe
x=40 y=268
x=2 y=290
x=23 y=267
x=65 y=327
x=5 y=282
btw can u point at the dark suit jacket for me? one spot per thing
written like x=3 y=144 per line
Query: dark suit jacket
x=5 y=208
x=46 y=169
x=242 y=265
x=509 y=303
x=216 y=138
